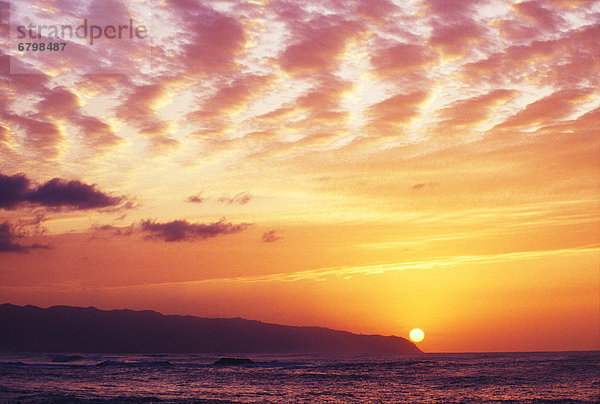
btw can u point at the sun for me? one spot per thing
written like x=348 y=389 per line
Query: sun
x=416 y=335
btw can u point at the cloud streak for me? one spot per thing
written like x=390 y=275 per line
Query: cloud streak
x=366 y=270
x=239 y=199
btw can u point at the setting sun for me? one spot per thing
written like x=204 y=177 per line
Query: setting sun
x=417 y=335
x=266 y=178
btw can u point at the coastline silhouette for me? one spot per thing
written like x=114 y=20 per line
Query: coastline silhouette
x=87 y=330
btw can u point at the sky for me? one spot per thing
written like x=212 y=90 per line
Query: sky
x=367 y=165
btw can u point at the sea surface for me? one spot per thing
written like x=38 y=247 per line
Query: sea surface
x=490 y=377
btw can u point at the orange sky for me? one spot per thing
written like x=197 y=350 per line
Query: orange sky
x=367 y=165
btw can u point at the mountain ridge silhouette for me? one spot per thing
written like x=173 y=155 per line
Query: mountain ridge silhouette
x=91 y=330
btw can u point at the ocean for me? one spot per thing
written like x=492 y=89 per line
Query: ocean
x=555 y=377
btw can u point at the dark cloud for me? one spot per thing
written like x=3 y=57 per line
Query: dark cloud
x=180 y=230
x=195 y=199
x=117 y=231
x=13 y=190
x=75 y=194
x=8 y=237
x=270 y=237
x=32 y=224
x=240 y=199
x=56 y=193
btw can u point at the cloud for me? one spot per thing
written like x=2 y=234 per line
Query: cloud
x=117 y=231
x=58 y=102
x=539 y=15
x=217 y=40
x=449 y=10
x=56 y=193
x=240 y=199
x=322 y=41
x=8 y=235
x=401 y=58
x=140 y=107
x=3 y=134
x=195 y=199
x=4 y=18
x=96 y=132
x=228 y=99
x=270 y=237
x=566 y=61
x=399 y=109
x=180 y=230
x=470 y=112
x=377 y=269
x=457 y=39
x=454 y=33
x=32 y=80
x=140 y=102
x=214 y=38
x=425 y=185
x=61 y=102
x=42 y=130
x=13 y=190
x=74 y=194
x=42 y=136
x=557 y=105
x=375 y=10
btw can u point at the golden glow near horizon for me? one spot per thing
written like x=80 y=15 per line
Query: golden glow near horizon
x=364 y=167
x=416 y=335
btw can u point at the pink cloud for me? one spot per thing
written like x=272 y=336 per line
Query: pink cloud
x=399 y=108
x=449 y=10
x=233 y=96
x=473 y=110
x=388 y=117
x=96 y=132
x=566 y=61
x=457 y=39
x=401 y=58
x=57 y=103
x=213 y=39
x=547 y=110
x=455 y=32
x=33 y=81
x=60 y=102
x=321 y=43
x=375 y=10
x=42 y=136
x=539 y=15
x=325 y=95
x=529 y=20
x=3 y=134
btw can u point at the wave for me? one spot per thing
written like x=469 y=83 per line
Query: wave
x=66 y=358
